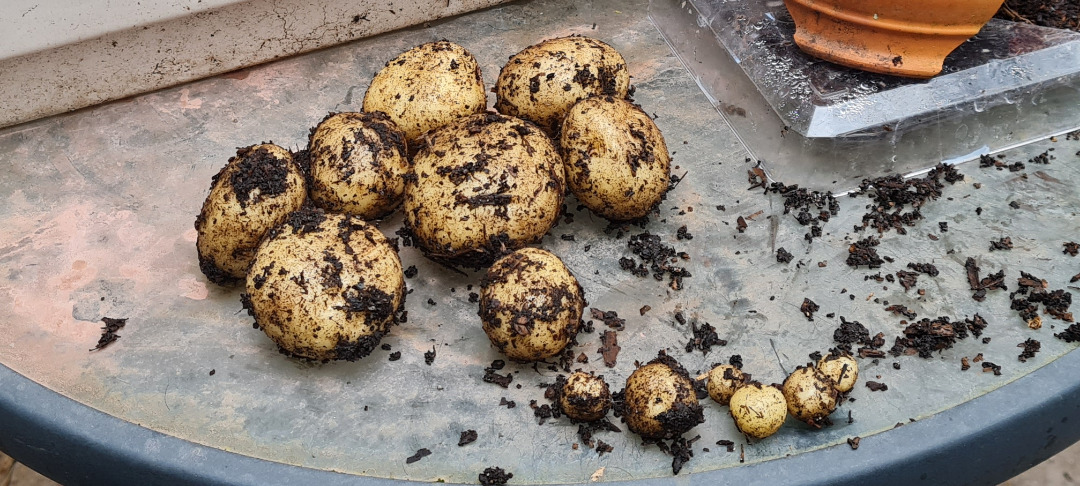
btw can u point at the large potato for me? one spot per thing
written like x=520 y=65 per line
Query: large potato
x=325 y=286
x=659 y=401
x=253 y=193
x=358 y=164
x=543 y=81
x=617 y=163
x=530 y=305
x=482 y=187
x=427 y=87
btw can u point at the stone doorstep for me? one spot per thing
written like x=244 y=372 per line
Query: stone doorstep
x=203 y=43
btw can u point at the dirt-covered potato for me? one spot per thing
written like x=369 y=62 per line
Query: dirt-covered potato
x=325 y=286
x=427 y=87
x=659 y=401
x=617 y=163
x=810 y=395
x=530 y=305
x=758 y=410
x=253 y=193
x=358 y=164
x=841 y=368
x=481 y=187
x=723 y=381
x=543 y=81
x=584 y=396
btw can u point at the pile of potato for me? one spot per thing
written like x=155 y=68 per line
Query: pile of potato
x=476 y=188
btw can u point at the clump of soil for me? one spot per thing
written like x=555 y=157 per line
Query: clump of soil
x=1070 y=334
x=704 y=338
x=1029 y=348
x=981 y=286
x=783 y=256
x=1004 y=243
x=1031 y=292
x=490 y=375
x=609 y=348
x=862 y=252
x=808 y=308
x=929 y=335
x=494 y=476
x=1071 y=248
x=108 y=333
x=467 y=437
x=659 y=258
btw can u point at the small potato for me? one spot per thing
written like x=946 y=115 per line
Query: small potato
x=325 y=286
x=530 y=305
x=842 y=369
x=758 y=410
x=811 y=396
x=723 y=381
x=659 y=401
x=617 y=163
x=427 y=87
x=482 y=187
x=358 y=164
x=253 y=193
x=584 y=396
x=543 y=81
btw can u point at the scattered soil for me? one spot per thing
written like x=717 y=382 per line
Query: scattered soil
x=1059 y=14
x=108 y=333
x=609 y=318
x=810 y=207
x=730 y=445
x=490 y=375
x=656 y=258
x=892 y=194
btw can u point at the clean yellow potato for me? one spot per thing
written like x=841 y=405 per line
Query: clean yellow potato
x=325 y=286
x=530 y=305
x=358 y=164
x=543 y=81
x=758 y=410
x=841 y=368
x=810 y=395
x=723 y=381
x=253 y=193
x=482 y=187
x=585 y=396
x=427 y=87
x=617 y=163
x=659 y=401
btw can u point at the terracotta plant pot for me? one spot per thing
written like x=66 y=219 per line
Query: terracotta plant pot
x=900 y=37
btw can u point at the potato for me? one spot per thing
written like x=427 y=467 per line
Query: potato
x=530 y=305
x=723 y=380
x=481 y=187
x=659 y=401
x=253 y=193
x=841 y=368
x=325 y=286
x=810 y=395
x=617 y=163
x=358 y=164
x=758 y=410
x=427 y=87
x=543 y=81
x=584 y=396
